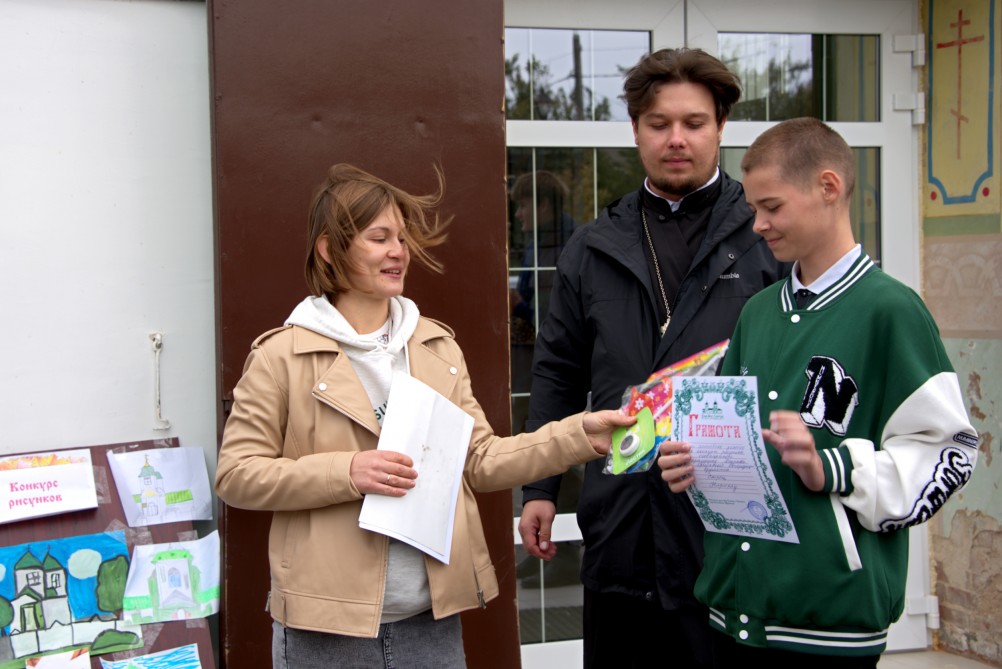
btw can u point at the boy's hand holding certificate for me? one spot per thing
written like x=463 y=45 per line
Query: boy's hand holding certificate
x=734 y=489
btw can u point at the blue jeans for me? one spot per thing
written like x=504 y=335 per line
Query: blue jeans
x=413 y=643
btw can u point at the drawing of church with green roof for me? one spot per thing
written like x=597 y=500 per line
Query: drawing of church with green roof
x=175 y=591
x=155 y=504
x=41 y=599
x=52 y=608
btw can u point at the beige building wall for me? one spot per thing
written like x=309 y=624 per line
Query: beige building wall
x=962 y=284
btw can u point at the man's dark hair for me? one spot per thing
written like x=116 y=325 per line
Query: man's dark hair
x=675 y=66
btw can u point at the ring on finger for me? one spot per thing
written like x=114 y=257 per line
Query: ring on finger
x=388 y=476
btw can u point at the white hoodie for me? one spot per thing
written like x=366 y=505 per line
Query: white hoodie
x=374 y=362
x=406 y=592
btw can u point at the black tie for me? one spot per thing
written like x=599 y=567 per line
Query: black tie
x=803 y=297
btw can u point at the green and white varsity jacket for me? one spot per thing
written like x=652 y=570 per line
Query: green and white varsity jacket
x=865 y=367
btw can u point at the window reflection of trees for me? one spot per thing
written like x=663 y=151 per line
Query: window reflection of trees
x=530 y=94
x=569 y=75
x=831 y=77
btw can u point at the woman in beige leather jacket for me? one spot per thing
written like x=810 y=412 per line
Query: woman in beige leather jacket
x=301 y=442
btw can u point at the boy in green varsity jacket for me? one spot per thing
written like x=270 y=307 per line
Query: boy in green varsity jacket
x=868 y=425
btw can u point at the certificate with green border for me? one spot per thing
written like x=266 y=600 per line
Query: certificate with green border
x=734 y=488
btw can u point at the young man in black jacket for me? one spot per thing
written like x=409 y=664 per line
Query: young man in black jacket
x=661 y=274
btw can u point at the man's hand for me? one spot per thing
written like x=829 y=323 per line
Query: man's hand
x=535 y=527
x=675 y=461
x=795 y=444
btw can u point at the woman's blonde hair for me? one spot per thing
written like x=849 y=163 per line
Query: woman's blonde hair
x=346 y=203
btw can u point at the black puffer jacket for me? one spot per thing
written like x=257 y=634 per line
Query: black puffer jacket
x=601 y=335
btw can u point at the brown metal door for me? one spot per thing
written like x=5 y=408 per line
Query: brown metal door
x=393 y=87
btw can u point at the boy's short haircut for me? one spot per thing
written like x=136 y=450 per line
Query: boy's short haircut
x=677 y=66
x=802 y=147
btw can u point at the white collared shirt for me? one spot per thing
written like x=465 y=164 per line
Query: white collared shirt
x=830 y=276
x=675 y=204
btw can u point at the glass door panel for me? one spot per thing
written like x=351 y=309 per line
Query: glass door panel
x=830 y=77
x=564 y=66
x=567 y=74
x=552 y=190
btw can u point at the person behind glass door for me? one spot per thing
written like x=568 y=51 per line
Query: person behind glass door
x=301 y=442
x=540 y=200
x=546 y=229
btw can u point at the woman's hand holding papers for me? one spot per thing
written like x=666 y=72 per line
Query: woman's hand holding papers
x=382 y=472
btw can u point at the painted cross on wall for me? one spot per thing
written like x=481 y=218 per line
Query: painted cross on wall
x=963 y=144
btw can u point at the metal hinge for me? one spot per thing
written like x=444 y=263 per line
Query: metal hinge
x=913 y=102
x=927 y=606
x=914 y=44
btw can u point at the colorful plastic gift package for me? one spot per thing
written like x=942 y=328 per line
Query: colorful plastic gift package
x=635 y=448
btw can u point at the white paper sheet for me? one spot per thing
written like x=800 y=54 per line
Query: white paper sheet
x=44 y=484
x=174 y=581
x=435 y=433
x=162 y=485
x=734 y=489
x=70 y=659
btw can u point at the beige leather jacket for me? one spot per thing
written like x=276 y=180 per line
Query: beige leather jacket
x=299 y=416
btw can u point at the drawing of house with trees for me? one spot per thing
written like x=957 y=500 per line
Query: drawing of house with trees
x=70 y=597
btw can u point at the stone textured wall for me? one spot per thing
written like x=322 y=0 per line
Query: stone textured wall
x=962 y=284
